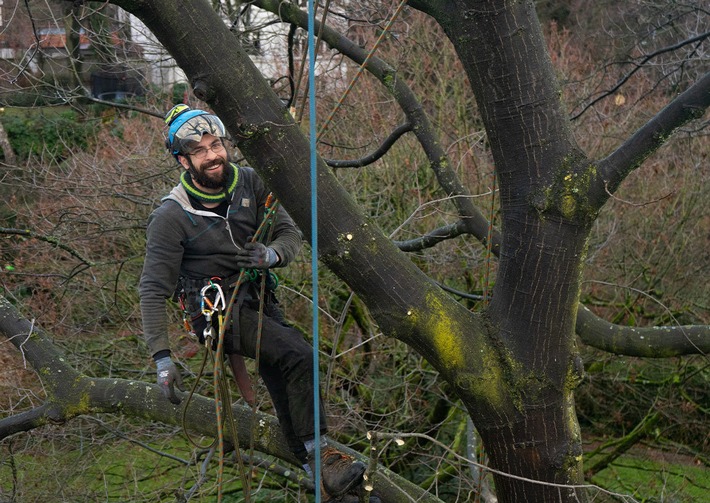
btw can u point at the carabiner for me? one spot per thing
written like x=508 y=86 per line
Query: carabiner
x=219 y=301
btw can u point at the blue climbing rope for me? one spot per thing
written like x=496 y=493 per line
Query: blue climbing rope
x=314 y=237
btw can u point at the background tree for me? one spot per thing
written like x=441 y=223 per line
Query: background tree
x=512 y=363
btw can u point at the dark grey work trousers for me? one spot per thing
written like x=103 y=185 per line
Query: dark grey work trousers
x=285 y=365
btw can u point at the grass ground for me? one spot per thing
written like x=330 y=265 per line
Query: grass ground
x=655 y=476
x=155 y=466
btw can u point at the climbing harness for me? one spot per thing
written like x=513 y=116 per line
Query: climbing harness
x=217 y=306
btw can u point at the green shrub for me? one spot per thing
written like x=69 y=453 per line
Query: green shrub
x=51 y=136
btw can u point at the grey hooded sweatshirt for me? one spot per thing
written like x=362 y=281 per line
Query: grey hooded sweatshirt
x=185 y=242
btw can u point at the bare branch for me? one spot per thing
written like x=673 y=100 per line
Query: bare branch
x=378 y=153
x=627 y=442
x=26 y=421
x=638 y=66
x=433 y=237
x=35 y=45
x=690 y=105
x=651 y=342
x=47 y=239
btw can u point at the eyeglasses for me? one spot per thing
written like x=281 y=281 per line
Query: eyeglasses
x=200 y=152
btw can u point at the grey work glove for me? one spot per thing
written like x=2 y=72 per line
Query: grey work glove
x=255 y=255
x=168 y=378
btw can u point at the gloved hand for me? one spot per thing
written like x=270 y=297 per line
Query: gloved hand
x=168 y=378
x=255 y=255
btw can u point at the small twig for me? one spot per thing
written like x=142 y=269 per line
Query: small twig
x=118 y=434
x=606 y=188
x=637 y=67
x=203 y=474
x=36 y=47
x=29 y=334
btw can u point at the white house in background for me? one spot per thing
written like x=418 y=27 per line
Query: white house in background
x=262 y=36
x=267 y=48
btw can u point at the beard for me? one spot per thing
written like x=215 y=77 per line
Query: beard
x=202 y=175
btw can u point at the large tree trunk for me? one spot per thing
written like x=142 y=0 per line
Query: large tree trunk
x=545 y=223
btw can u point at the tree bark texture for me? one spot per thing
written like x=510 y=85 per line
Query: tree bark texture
x=543 y=179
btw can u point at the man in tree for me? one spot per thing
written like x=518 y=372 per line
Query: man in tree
x=201 y=237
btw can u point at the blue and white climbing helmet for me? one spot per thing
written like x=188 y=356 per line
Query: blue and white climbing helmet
x=186 y=127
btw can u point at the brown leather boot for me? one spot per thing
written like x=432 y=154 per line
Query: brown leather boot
x=339 y=472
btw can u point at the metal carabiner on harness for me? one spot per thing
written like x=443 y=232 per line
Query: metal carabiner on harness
x=218 y=305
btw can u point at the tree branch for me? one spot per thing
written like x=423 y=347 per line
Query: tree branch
x=611 y=171
x=432 y=238
x=373 y=156
x=651 y=342
x=71 y=394
x=26 y=421
x=625 y=443
x=638 y=66
x=47 y=239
